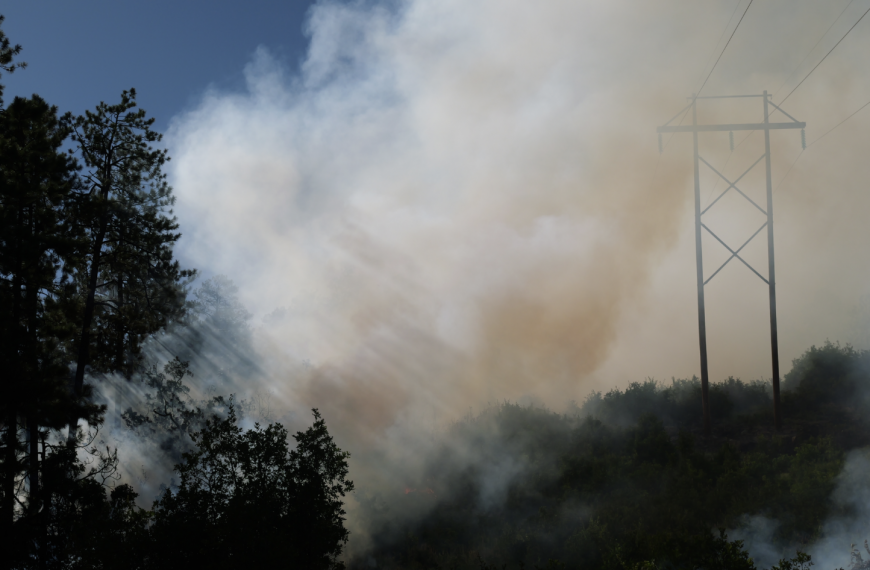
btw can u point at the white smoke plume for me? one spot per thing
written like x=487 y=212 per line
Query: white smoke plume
x=844 y=531
x=453 y=202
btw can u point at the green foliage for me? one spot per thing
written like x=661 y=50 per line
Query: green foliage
x=245 y=499
x=677 y=403
x=79 y=254
x=828 y=375
x=128 y=284
x=593 y=495
x=169 y=413
x=623 y=482
x=7 y=54
x=38 y=242
x=87 y=275
x=72 y=505
x=168 y=404
x=801 y=561
x=113 y=535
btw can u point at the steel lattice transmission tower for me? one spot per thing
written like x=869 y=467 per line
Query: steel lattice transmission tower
x=765 y=126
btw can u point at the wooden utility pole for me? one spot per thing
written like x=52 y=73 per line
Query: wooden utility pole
x=695 y=129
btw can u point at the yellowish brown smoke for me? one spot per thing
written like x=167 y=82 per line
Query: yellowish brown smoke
x=460 y=202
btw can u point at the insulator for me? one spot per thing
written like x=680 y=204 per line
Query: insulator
x=661 y=148
x=803 y=139
x=731 y=139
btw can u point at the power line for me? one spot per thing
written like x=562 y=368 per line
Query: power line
x=720 y=57
x=804 y=79
x=861 y=108
x=814 y=47
x=826 y=56
x=793 y=162
x=722 y=35
x=665 y=145
x=655 y=171
x=726 y=47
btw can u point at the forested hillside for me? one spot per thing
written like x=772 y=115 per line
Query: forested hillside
x=627 y=480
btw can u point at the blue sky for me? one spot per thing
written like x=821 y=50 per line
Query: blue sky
x=80 y=53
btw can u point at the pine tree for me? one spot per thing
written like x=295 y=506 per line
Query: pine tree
x=128 y=284
x=37 y=245
x=37 y=248
x=7 y=54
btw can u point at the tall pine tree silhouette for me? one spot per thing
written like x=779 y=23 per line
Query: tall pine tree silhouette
x=128 y=284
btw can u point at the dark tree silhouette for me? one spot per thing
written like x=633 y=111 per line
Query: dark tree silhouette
x=129 y=285
x=169 y=414
x=7 y=55
x=245 y=500
x=38 y=243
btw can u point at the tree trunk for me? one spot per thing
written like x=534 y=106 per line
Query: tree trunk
x=11 y=460
x=87 y=320
x=33 y=468
x=34 y=494
x=34 y=374
x=13 y=392
x=88 y=317
x=119 y=333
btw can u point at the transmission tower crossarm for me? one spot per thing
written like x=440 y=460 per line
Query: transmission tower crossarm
x=778 y=108
x=731 y=127
x=724 y=96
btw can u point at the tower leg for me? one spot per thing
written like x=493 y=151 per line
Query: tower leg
x=771 y=278
x=699 y=262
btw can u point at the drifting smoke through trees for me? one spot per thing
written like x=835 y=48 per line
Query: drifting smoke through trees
x=458 y=202
x=435 y=224
x=455 y=203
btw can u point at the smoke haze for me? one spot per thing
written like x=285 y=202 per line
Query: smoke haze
x=842 y=531
x=456 y=202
